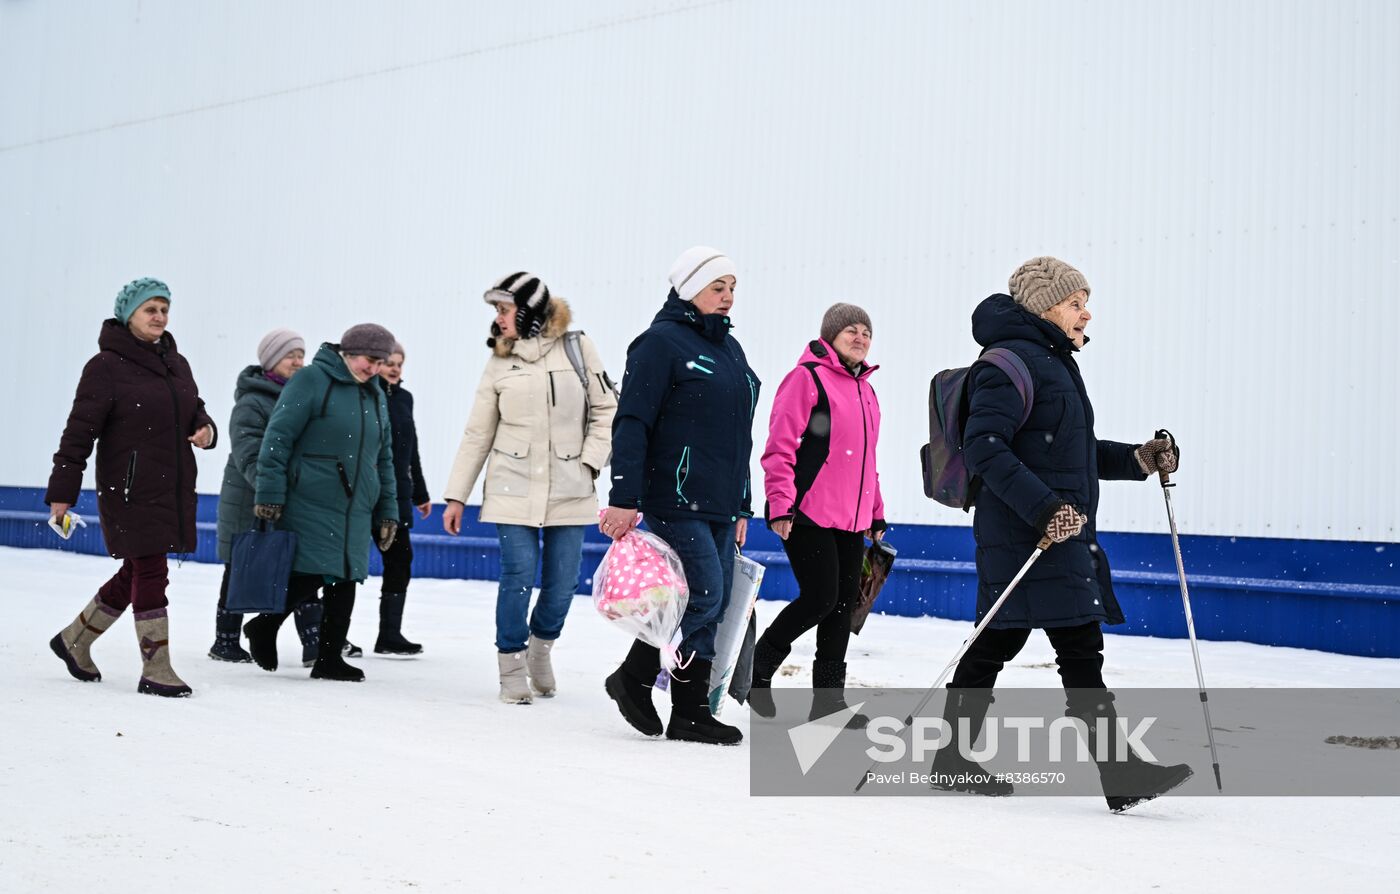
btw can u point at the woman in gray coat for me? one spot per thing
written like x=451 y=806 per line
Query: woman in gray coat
x=280 y=354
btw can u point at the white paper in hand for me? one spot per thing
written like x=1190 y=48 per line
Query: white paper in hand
x=65 y=527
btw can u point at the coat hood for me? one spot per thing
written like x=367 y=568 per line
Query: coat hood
x=819 y=352
x=252 y=380
x=117 y=338
x=532 y=349
x=999 y=318
x=713 y=327
x=332 y=364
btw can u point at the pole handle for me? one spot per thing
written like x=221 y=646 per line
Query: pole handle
x=1165 y=477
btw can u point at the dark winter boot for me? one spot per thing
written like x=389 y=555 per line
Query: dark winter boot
x=691 y=720
x=952 y=771
x=73 y=643
x=767 y=658
x=630 y=686
x=157 y=676
x=391 y=641
x=226 y=646
x=262 y=639
x=308 y=617
x=1127 y=779
x=829 y=693
x=330 y=665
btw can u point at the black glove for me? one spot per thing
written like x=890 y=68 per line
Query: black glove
x=268 y=511
x=1061 y=522
x=388 y=529
x=1158 y=455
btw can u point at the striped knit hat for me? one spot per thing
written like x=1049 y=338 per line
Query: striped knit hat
x=530 y=296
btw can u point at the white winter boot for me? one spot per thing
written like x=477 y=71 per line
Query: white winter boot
x=515 y=688
x=537 y=663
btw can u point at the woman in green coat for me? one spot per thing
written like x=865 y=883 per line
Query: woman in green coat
x=326 y=472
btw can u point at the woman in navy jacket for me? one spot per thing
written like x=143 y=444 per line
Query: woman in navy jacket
x=1040 y=479
x=682 y=438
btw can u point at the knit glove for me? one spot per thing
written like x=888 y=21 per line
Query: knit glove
x=1062 y=522
x=388 y=529
x=1158 y=455
x=268 y=511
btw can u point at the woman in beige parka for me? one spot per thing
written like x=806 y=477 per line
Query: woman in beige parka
x=543 y=439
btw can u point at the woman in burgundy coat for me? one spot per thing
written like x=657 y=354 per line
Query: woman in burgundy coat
x=138 y=402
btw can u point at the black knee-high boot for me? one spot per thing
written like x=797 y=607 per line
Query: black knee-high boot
x=335 y=627
x=631 y=684
x=952 y=771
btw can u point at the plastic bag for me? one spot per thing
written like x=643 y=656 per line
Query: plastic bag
x=640 y=586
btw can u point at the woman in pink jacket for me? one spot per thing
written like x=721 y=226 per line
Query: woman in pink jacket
x=823 y=500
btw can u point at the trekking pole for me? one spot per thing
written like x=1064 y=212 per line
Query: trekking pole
x=1040 y=548
x=1186 y=605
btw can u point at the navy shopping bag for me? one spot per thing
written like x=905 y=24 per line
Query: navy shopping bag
x=261 y=568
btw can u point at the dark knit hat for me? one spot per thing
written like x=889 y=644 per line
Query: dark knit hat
x=136 y=293
x=1041 y=283
x=369 y=339
x=841 y=315
x=530 y=296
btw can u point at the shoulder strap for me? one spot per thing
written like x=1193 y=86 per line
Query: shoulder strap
x=1009 y=362
x=574 y=350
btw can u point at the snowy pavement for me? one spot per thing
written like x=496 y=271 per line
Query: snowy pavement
x=419 y=779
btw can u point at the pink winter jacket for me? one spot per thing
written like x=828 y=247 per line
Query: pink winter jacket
x=819 y=464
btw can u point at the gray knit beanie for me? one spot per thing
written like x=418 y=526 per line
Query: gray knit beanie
x=278 y=344
x=368 y=339
x=1041 y=283
x=841 y=315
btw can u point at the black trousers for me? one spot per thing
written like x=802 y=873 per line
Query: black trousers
x=1078 y=654
x=398 y=563
x=826 y=563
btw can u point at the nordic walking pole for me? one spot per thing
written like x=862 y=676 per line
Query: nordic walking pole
x=1186 y=604
x=1040 y=548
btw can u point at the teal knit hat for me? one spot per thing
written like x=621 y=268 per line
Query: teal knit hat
x=136 y=293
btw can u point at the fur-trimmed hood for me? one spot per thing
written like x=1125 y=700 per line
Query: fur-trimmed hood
x=532 y=349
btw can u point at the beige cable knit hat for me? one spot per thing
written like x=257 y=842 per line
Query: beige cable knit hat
x=1043 y=282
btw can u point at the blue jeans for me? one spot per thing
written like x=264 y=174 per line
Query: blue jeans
x=707 y=554
x=520 y=558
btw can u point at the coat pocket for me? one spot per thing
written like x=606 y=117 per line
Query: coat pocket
x=130 y=478
x=508 y=469
x=568 y=479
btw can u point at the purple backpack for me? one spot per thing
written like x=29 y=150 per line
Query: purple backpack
x=945 y=472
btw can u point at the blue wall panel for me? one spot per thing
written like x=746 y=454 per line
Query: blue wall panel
x=1335 y=596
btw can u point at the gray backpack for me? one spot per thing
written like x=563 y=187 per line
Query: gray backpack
x=574 y=350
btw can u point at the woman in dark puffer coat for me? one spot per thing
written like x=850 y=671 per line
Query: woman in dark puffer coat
x=1040 y=479
x=280 y=354
x=137 y=401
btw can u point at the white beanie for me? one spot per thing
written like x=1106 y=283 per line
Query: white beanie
x=278 y=344
x=696 y=268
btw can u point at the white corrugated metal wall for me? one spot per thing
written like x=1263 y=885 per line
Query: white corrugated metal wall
x=1224 y=174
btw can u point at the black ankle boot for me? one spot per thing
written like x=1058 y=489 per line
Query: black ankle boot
x=226 y=646
x=1127 y=779
x=631 y=684
x=952 y=771
x=767 y=658
x=829 y=693
x=691 y=720
x=262 y=639
x=391 y=641
x=335 y=626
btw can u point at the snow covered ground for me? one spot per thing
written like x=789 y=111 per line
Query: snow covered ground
x=419 y=779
